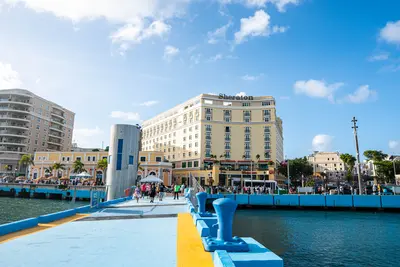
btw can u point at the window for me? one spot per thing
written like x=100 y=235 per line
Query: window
x=104 y=157
x=78 y=158
x=183 y=164
x=196 y=144
x=196 y=127
x=227 y=129
x=38 y=120
x=195 y=164
x=130 y=160
x=36 y=142
x=67 y=158
x=266 y=103
x=88 y=158
x=142 y=159
x=206 y=101
x=246 y=104
x=63 y=158
x=158 y=159
x=93 y=158
x=227 y=103
x=196 y=136
x=119 y=154
x=190 y=164
x=37 y=126
x=190 y=129
x=184 y=131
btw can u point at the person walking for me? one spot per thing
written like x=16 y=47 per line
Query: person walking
x=143 y=189
x=136 y=194
x=152 y=193
x=161 y=190
x=177 y=189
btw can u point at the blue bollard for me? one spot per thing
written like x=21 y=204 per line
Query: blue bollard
x=225 y=209
x=201 y=202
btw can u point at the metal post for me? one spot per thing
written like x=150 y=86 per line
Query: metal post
x=358 y=155
x=394 y=172
x=288 y=175
x=251 y=174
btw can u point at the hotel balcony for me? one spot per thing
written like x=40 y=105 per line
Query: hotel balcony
x=11 y=150
x=14 y=109
x=54 y=141
x=54 y=135
x=54 y=147
x=13 y=125
x=58 y=121
x=12 y=142
x=16 y=101
x=11 y=133
x=10 y=117
x=57 y=112
x=56 y=128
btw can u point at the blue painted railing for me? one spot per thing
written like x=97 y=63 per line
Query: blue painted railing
x=321 y=201
x=48 y=218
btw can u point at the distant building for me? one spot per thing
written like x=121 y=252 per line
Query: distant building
x=75 y=148
x=43 y=160
x=154 y=163
x=329 y=163
x=29 y=123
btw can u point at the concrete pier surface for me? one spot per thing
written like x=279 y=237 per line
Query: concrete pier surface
x=124 y=234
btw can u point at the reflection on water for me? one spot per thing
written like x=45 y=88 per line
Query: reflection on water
x=318 y=238
x=14 y=209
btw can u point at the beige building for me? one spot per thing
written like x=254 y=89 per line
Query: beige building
x=227 y=138
x=29 y=123
x=329 y=163
x=44 y=160
x=154 y=163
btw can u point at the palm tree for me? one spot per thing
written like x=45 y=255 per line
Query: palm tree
x=258 y=160
x=102 y=165
x=58 y=166
x=78 y=166
x=49 y=170
x=25 y=161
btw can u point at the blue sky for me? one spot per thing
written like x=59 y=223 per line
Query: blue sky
x=123 y=61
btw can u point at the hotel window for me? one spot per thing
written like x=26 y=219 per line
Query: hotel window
x=184 y=139
x=93 y=158
x=208 y=136
x=247 y=145
x=189 y=164
x=184 y=147
x=267 y=155
x=173 y=149
x=63 y=158
x=196 y=136
x=227 y=145
x=184 y=131
x=67 y=158
x=37 y=126
x=158 y=159
x=206 y=101
x=246 y=104
x=208 y=144
x=227 y=137
x=190 y=145
x=184 y=154
x=196 y=127
x=267 y=145
x=247 y=155
x=183 y=164
x=173 y=156
x=190 y=137
x=78 y=158
x=190 y=129
x=247 y=129
x=227 y=103
x=208 y=153
x=196 y=152
x=142 y=159
x=266 y=103
x=195 y=163
x=88 y=158
x=130 y=160
x=190 y=154
x=227 y=155
x=196 y=144
x=267 y=115
x=246 y=116
x=247 y=137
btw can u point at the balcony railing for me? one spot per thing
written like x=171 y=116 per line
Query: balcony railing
x=15 y=101
x=14 y=125
x=13 y=117
x=13 y=133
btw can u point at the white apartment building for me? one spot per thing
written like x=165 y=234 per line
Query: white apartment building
x=29 y=123
x=329 y=163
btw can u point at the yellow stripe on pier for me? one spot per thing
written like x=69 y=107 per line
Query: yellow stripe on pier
x=190 y=251
x=40 y=227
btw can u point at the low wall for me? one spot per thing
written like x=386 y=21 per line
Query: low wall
x=315 y=201
x=32 y=222
x=18 y=226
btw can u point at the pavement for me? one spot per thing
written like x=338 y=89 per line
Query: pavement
x=126 y=234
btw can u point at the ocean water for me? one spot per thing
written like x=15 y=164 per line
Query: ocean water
x=324 y=238
x=14 y=209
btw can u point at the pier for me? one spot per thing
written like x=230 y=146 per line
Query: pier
x=50 y=191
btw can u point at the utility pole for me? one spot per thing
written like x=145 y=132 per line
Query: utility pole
x=288 y=179
x=355 y=127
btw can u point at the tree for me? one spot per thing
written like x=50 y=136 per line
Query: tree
x=258 y=157
x=58 y=166
x=140 y=167
x=349 y=161
x=107 y=148
x=25 y=161
x=374 y=155
x=243 y=156
x=78 y=166
x=48 y=170
x=384 y=171
x=95 y=150
x=103 y=165
x=297 y=168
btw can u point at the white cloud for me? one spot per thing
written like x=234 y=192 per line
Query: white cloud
x=190 y=49
x=241 y=94
x=322 y=142
x=379 y=57
x=279 y=29
x=280 y=4
x=126 y=116
x=218 y=35
x=9 y=78
x=215 y=58
x=170 y=52
x=317 y=89
x=251 y=77
x=391 y=32
x=85 y=136
x=135 y=33
x=362 y=94
x=195 y=59
x=394 y=145
x=149 y=103
x=114 y=11
x=258 y=25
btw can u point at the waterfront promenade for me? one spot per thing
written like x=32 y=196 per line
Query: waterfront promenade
x=123 y=234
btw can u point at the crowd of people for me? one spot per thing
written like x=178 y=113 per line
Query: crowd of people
x=153 y=190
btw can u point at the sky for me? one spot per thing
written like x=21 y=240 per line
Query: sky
x=124 y=61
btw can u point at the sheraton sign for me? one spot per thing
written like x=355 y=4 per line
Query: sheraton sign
x=231 y=97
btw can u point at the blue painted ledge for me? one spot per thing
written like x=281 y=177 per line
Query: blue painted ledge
x=222 y=259
x=56 y=216
x=18 y=226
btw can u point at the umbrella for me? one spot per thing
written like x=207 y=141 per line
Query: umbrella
x=151 y=179
x=20 y=178
x=64 y=179
x=84 y=174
